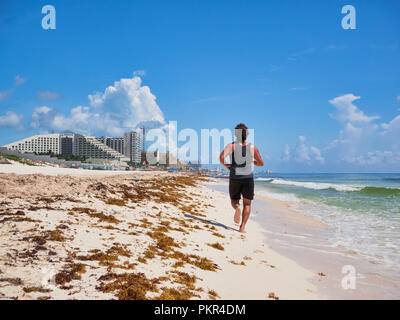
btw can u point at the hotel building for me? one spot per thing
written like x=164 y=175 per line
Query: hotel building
x=42 y=143
x=92 y=148
x=114 y=143
x=132 y=148
x=69 y=144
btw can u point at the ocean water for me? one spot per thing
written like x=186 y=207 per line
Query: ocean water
x=362 y=209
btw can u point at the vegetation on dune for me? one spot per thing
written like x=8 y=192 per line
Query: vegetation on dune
x=15 y=158
x=3 y=160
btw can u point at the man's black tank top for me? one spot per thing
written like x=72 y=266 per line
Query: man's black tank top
x=241 y=162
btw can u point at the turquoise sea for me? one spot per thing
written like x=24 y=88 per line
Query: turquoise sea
x=362 y=209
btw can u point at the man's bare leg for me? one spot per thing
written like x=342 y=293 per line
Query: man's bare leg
x=236 y=206
x=245 y=214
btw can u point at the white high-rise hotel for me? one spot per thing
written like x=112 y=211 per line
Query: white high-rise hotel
x=40 y=144
x=99 y=149
x=132 y=148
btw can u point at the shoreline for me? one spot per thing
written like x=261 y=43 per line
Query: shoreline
x=136 y=235
x=306 y=240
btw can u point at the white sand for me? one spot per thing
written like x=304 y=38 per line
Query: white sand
x=19 y=168
x=264 y=275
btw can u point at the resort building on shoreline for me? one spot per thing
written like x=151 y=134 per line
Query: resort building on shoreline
x=132 y=148
x=116 y=144
x=69 y=144
x=103 y=150
x=39 y=143
x=93 y=149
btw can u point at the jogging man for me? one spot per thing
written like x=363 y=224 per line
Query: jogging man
x=241 y=180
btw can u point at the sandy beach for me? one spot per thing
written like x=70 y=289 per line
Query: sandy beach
x=80 y=234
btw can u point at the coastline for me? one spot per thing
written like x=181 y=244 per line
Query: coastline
x=137 y=235
x=306 y=241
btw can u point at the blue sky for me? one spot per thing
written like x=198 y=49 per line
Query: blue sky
x=285 y=68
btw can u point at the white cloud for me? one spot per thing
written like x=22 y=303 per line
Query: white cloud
x=48 y=95
x=19 y=80
x=298 y=55
x=391 y=128
x=286 y=153
x=347 y=111
x=79 y=120
x=303 y=153
x=348 y=135
x=140 y=73
x=126 y=104
x=361 y=140
x=374 y=158
x=316 y=153
x=5 y=94
x=128 y=101
x=11 y=120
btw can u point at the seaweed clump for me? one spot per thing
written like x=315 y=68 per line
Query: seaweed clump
x=216 y=245
x=116 y=202
x=109 y=257
x=128 y=286
x=36 y=289
x=175 y=294
x=213 y=295
x=72 y=271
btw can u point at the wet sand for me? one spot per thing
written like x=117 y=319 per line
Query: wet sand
x=307 y=241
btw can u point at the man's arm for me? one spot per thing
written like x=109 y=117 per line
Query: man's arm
x=225 y=153
x=258 y=161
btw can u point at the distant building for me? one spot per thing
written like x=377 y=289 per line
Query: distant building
x=156 y=158
x=66 y=144
x=92 y=148
x=42 y=143
x=116 y=144
x=132 y=148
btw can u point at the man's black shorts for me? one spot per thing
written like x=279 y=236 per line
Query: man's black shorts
x=241 y=187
